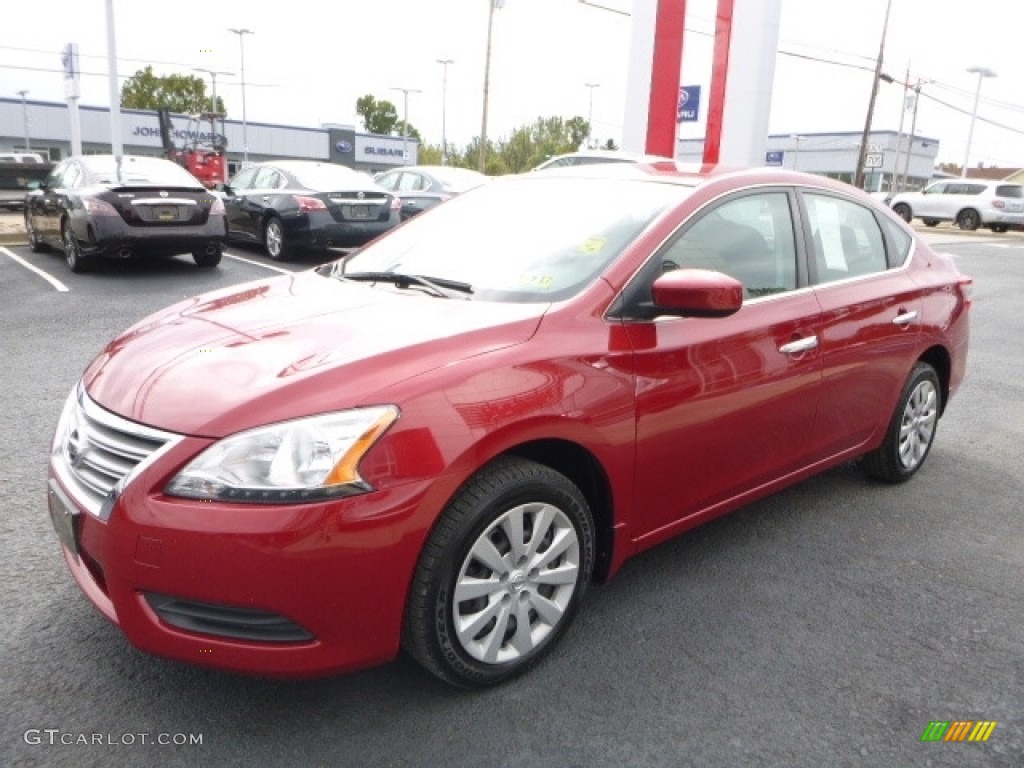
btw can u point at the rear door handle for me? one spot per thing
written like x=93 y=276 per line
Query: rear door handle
x=905 y=318
x=800 y=345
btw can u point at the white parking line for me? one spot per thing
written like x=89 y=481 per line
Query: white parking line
x=48 y=278
x=261 y=264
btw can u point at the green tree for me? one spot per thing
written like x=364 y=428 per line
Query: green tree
x=381 y=117
x=185 y=94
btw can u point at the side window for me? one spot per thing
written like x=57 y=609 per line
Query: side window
x=55 y=179
x=936 y=189
x=388 y=180
x=1009 y=190
x=749 y=238
x=244 y=179
x=72 y=177
x=975 y=189
x=847 y=240
x=267 y=178
x=900 y=239
x=410 y=182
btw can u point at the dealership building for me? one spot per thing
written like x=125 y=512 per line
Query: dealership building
x=45 y=127
x=889 y=154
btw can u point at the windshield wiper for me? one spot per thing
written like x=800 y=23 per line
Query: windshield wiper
x=438 y=286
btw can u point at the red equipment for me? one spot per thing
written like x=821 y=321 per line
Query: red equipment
x=201 y=154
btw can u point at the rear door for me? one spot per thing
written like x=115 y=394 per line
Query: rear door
x=870 y=321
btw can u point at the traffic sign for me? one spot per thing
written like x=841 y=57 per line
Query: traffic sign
x=873 y=160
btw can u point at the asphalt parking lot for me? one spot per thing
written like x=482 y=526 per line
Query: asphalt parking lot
x=825 y=626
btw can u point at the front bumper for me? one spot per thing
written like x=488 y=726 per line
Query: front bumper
x=280 y=591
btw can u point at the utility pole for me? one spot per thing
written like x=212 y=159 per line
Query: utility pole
x=590 y=115
x=245 y=126
x=858 y=178
x=444 y=109
x=405 y=122
x=982 y=73
x=487 y=81
x=24 y=114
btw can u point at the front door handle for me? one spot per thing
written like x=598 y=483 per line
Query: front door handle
x=800 y=345
x=904 y=318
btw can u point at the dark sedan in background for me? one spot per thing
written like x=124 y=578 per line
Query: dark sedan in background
x=421 y=187
x=106 y=206
x=306 y=204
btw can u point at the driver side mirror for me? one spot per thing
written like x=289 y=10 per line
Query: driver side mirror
x=696 y=293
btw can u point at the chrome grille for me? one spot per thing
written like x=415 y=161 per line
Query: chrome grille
x=95 y=453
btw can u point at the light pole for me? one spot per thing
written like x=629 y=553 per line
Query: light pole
x=444 y=109
x=24 y=112
x=796 y=155
x=492 y=4
x=858 y=178
x=405 y=122
x=245 y=126
x=213 y=75
x=982 y=73
x=590 y=114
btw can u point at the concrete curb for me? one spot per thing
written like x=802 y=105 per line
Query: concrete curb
x=17 y=239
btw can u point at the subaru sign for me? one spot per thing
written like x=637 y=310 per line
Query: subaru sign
x=774 y=158
x=344 y=147
x=689 y=104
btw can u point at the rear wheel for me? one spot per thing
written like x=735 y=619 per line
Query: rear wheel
x=72 y=250
x=903 y=211
x=911 y=430
x=968 y=220
x=502 y=574
x=207 y=258
x=274 y=240
x=34 y=241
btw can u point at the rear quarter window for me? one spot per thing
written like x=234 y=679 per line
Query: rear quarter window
x=1010 y=190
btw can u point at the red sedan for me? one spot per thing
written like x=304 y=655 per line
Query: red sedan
x=438 y=443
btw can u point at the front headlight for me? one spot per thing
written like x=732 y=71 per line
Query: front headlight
x=302 y=460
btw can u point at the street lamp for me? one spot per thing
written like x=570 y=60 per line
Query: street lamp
x=405 y=122
x=213 y=75
x=982 y=73
x=590 y=114
x=444 y=109
x=24 y=112
x=245 y=126
x=797 y=138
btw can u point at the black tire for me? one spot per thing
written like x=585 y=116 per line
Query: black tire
x=505 y=595
x=205 y=259
x=274 y=241
x=903 y=211
x=968 y=220
x=1000 y=228
x=72 y=250
x=911 y=430
x=931 y=222
x=34 y=241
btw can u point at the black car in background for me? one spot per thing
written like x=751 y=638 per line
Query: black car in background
x=124 y=206
x=296 y=204
x=423 y=186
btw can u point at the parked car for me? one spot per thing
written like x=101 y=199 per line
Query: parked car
x=969 y=203
x=437 y=443
x=119 y=207
x=17 y=177
x=598 y=156
x=294 y=204
x=421 y=187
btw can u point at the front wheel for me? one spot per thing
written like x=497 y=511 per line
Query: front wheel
x=911 y=430
x=903 y=211
x=968 y=220
x=501 y=576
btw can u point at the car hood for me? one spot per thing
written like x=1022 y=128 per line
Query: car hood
x=289 y=347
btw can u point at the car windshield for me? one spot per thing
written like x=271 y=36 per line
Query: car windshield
x=138 y=170
x=523 y=239
x=326 y=177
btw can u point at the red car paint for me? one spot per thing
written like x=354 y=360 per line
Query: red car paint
x=645 y=402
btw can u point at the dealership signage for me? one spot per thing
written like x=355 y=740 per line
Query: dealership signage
x=380 y=150
x=689 y=104
x=146 y=131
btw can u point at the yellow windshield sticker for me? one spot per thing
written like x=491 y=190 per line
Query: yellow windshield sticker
x=591 y=245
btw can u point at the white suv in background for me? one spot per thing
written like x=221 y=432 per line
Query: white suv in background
x=968 y=203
